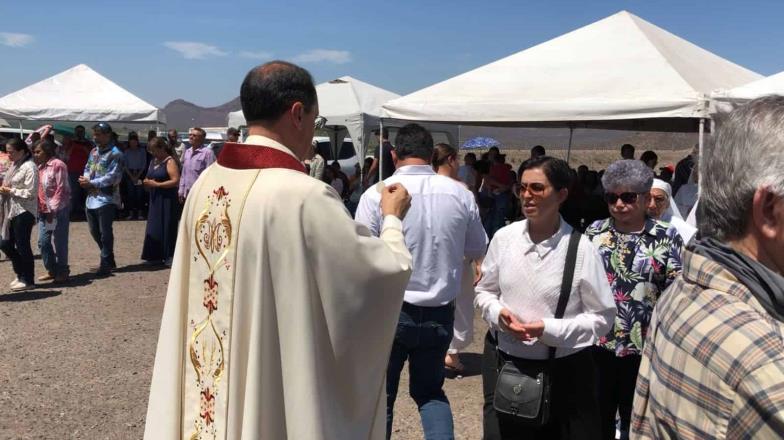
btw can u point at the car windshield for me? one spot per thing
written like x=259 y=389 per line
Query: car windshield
x=346 y=150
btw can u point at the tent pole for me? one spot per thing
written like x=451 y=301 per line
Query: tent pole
x=380 y=150
x=569 y=149
x=702 y=135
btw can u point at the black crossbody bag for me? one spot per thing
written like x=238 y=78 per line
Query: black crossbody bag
x=523 y=391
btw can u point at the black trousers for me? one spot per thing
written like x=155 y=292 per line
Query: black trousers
x=18 y=249
x=616 y=379
x=574 y=412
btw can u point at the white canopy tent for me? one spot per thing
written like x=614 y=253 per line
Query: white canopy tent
x=80 y=94
x=6 y=116
x=236 y=119
x=726 y=100
x=620 y=72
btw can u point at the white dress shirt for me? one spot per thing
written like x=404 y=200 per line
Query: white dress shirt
x=441 y=227
x=525 y=277
x=685 y=230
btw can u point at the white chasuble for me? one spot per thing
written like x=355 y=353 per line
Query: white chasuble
x=280 y=310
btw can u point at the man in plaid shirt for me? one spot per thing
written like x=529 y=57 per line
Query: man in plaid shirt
x=713 y=362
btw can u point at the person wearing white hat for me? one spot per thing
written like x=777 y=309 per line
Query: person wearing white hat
x=661 y=207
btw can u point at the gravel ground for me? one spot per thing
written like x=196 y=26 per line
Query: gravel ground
x=76 y=360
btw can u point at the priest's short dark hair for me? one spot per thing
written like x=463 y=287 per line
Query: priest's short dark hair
x=269 y=90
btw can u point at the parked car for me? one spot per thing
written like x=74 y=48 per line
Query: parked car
x=346 y=157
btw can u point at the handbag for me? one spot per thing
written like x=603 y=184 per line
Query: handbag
x=523 y=389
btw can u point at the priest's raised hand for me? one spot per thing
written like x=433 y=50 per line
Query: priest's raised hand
x=395 y=200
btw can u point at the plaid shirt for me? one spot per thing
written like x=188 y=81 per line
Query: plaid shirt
x=713 y=363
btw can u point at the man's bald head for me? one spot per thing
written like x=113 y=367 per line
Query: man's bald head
x=270 y=90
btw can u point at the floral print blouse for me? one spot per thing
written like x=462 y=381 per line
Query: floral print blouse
x=639 y=267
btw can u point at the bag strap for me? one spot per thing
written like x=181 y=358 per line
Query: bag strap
x=568 y=277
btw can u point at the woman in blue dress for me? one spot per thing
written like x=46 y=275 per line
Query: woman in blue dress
x=163 y=179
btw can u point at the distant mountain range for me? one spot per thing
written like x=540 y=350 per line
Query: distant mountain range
x=181 y=114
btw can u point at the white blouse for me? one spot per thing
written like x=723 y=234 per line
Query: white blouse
x=525 y=277
x=24 y=189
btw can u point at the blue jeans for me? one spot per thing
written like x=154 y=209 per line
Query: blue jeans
x=423 y=336
x=77 y=193
x=55 y=258
x=17 y=247
x=100 y=222
x=496 y=219
x=134 y=197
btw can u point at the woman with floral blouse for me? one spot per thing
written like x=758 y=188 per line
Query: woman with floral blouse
x=641 y=256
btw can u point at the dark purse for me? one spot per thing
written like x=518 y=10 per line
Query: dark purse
x=522 y=389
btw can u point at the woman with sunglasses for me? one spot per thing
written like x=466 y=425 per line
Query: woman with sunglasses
x=19 y=196
x=641 y=256
x=518 y=296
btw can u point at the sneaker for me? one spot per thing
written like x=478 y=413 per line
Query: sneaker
x=19 y=286
x=15 y=281
x=61 y=278
x=47 y=277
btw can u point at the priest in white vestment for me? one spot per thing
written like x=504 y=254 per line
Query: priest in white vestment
x=280 y=310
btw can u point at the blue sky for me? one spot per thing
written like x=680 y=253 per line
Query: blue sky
x=200 y=50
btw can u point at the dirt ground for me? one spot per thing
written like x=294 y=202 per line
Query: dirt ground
x=76 y=360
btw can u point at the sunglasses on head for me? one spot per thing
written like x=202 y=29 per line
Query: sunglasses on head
x=535 y=188
x=627 y=197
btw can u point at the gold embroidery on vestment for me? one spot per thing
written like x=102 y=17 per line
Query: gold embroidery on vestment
x=212 y=233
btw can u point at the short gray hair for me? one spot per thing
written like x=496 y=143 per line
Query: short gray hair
x=748 y=154
x=628 y=173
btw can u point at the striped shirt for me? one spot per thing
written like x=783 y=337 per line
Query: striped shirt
x=713 y=363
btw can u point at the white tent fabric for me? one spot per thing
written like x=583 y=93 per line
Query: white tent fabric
x=8 y=114
x=618 y=69
x=345 y=102
x=726 y=100
x=80 y=94
x=236 y=119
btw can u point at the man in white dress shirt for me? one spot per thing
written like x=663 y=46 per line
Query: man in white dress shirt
x=441 y=228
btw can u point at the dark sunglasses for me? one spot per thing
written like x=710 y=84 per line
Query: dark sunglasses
x=627 y=197
x=535 y=188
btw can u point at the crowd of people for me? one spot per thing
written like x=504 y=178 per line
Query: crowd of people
x=101 y=180
x=609 y=313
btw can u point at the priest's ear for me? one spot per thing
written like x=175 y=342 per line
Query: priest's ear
x=395 y=159
x=297 y=112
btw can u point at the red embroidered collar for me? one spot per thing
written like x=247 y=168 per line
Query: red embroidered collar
x=246 y=157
